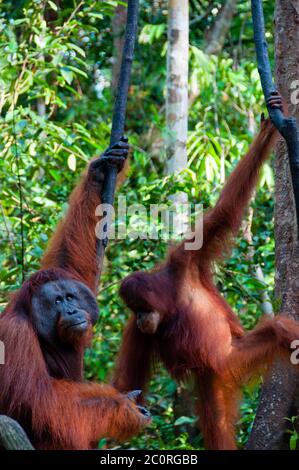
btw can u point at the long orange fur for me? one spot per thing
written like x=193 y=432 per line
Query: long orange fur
x=66 y=412
x=199 y=334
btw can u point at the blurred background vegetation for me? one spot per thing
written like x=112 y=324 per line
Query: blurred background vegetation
x=56 y=62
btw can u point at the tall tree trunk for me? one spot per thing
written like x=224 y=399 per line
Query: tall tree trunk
x=177 y=134
x=177 y=86
x=217 y=34
x=118 y=29
x=278 y=393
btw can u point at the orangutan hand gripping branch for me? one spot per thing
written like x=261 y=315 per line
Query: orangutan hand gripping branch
x=46 y=327
x=181 y=317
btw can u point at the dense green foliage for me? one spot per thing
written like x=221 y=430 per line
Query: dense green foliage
x=55 y=104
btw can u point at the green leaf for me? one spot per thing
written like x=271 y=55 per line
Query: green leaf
x=52 y=5
x=67 y=74
x=77 y=71
x=184 y=420
x=20 y=125
x=76 y=48
x=40 y=40
x=72 y=162
x=55 y=174
x=96 y=15
x=293 y=441
x=21 y=21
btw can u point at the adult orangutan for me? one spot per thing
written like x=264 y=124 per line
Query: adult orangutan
x=46 y=327
x=181 y=317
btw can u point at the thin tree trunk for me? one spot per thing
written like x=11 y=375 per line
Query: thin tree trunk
x=278 y=393
x=177 y=133
x=217 y=34
x=177 y=87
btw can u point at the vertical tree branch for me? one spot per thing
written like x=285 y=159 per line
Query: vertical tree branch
x=177 y=88
x=217 y=34
x=118 y=28
x=177 y=130
x=278 y=392
x=119 y=117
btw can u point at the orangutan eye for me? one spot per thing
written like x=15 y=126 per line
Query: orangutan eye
x=69 y=297
x=58 y=300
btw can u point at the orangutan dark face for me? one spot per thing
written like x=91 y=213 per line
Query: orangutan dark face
x=64 y=310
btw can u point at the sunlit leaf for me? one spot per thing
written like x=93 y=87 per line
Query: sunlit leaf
x=72 y=162
x=67 y=74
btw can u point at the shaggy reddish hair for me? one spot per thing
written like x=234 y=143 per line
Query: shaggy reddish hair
x=199 y=335
x=61 y=413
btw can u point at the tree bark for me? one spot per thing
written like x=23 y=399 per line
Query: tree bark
x=12 y=436
x=118 y=30
x=277 y=396
x=217 y=34
x=177 y=105
x=177 y=85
